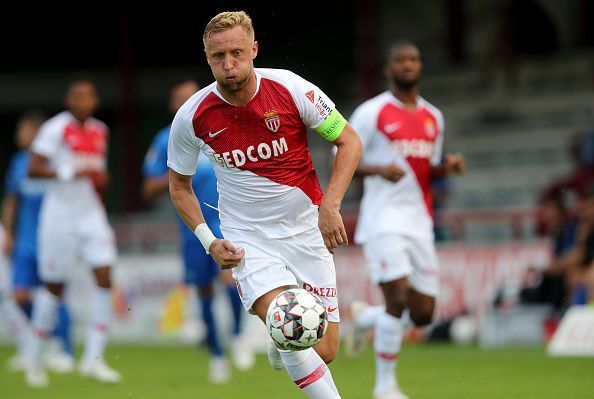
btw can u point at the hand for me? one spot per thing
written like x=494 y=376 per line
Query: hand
x=332 y=227
x=226 y=254
x=392 y=172
x=455 y=164
x=100 y=179
x=7 y=245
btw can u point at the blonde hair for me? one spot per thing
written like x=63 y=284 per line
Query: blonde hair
x=227 y=20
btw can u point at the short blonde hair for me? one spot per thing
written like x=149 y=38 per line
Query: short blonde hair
x=227 y=20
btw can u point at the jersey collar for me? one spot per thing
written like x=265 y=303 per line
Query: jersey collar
x=219 y=95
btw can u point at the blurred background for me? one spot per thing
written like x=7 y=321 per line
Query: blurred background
x=514 y=79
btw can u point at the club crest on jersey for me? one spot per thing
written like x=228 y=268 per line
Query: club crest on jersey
x=272 y=120
x=429 y=128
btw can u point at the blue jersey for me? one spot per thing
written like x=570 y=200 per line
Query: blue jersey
x=204 y=182
x=29 y=193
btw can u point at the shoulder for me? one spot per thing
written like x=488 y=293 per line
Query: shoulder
x=282 y=76
x=57 y=121
x=372 y=107
x=432 y=109
x=98 y=125
x=189 y=108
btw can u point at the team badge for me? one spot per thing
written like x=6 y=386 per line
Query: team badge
x=310 y=96
x=272 y=120
x=429 y=128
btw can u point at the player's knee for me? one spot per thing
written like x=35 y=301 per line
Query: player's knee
x=422 y=318
x=396 y=305
x=22 y=298
x=327 y=351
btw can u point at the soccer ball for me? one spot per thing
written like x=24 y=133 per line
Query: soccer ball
x=296 y=319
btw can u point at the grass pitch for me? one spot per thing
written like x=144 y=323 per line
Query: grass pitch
x=424 y=371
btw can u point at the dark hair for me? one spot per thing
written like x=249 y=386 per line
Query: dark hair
x=397 y=44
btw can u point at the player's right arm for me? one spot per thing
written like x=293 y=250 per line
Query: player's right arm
x=363 y=121
x=45 y=146
x=182 y=160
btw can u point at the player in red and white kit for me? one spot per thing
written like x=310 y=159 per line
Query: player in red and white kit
x=279 y=230
x=402 y=137
x=71 y=150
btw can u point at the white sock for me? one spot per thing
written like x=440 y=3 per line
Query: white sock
x=101 y=313
x=368 y=316
x=17 y=322
x=43 y=321
x=387 y=343
x=310 y=373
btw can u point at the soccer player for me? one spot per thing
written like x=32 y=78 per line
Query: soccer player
x=279 y=230
x=20 y=215
x=200 y=269
x=70 y=150
x=402 y=138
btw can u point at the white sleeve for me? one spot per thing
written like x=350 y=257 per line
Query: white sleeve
x=313 y=104
x=48 y=140
x=438 y=145
x=183 y=148
x=363 y=120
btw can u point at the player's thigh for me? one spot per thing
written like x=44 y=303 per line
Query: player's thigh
x=388 y=258
x=313 y=266
x=261 y=271
x=425 y=276
x=200 y=269
x=97 y=241
x=260 y=305
x=327 y=348
x=57 y=246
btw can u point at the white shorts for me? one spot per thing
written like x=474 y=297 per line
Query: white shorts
x=62 y=243
x=300 y=261
x=394 y=256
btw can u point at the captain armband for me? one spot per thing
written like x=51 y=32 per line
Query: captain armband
x=332 y=126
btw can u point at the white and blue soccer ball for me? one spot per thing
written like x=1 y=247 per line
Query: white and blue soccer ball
x=296 y=319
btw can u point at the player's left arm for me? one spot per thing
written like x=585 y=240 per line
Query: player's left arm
x=453 y=164
x=348 y=153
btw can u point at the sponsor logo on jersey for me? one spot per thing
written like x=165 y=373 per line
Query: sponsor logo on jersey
x=414 y=148
x=272 y=120
x=323 y=108
x=310 y=96
x=254 y=153
x=430 y=128
x=328 y=292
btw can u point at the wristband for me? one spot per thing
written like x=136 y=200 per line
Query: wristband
x=65 y=173
x=203 y=233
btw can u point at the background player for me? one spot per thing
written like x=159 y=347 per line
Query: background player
x=252 y=126
x=71 y=150
x=200 y=270
x=402 y=138
x=20 y=215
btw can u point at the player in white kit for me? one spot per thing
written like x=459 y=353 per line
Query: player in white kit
x=402 y=138
x=71 y=150
x=279 y=230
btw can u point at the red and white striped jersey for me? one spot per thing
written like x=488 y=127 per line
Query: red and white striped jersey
x=68 y=145
x=266 y=179
x=411 y=139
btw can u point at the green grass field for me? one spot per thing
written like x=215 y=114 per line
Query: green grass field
x=425 y=372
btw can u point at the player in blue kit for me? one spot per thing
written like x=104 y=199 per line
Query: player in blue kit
x=20 y=215
x=200 y=270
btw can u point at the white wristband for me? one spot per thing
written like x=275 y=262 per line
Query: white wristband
x=204 y=235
